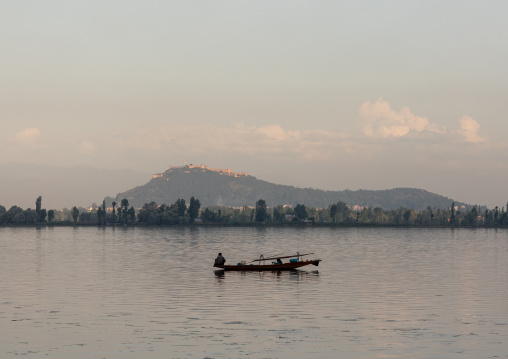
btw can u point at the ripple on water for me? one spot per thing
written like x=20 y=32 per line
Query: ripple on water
x=130 y=293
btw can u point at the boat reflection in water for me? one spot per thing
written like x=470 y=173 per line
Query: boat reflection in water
x=221 y=273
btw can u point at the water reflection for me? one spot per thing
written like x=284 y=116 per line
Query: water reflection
x=219 y=273
x=292 y=273
x=129 y=293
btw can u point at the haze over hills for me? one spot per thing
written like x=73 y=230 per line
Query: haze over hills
x=61 y=187
x=225 y=187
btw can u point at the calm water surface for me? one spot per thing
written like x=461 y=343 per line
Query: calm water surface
x=152 y=293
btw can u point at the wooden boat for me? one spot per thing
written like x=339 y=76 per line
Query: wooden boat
x=295 y=261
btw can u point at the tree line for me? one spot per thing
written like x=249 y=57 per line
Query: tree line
x=179 y=213
x=99 y=215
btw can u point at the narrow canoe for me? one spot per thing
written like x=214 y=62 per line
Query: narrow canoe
x=268 y=267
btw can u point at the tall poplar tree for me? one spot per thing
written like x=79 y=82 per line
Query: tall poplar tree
x=261 y=211
x=193 y=210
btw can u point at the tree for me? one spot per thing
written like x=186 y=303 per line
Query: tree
x=208 y=215
x=343 y=211
x=193 y=208
x=41 y=213
x=113 y=215
x=88 y=217
x=148 y=214
x=13 y=215
x=180 y=204
x=503 y=218
x=29 y=216
x=51 y=215
x=333 y=212
x=124 y=203
x=261 y=212
x=471 y=217
x=38 y=204
x=122 y=211
x=75 y=214
x=301 y=212
x=278 y=214
x=2 y=214
x=132 y=214
x=100 y=214
x=452 y=214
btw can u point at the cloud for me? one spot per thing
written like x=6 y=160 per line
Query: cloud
x=379 y=120
x=469 y=130
x=85 y=147
x=240 y=139
x=277 y=133
x=29 y=137
x=271 y=142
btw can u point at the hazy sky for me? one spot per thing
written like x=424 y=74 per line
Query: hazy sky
x=323 y=94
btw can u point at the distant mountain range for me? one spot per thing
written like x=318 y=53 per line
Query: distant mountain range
x=225 y=187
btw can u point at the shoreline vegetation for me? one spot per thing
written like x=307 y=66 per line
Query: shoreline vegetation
x=182 y=214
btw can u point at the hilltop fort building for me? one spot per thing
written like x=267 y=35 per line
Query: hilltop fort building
x=187 y=168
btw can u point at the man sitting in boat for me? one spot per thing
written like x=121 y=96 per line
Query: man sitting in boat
x=220 y=260
x=279 y=261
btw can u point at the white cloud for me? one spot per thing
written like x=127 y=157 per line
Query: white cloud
x=151 y=145
x=29 y=137
x=239 y=139
x=469 y=130
x=379 y=120
x=277 y=133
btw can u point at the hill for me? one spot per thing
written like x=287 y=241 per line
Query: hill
x=224 y=187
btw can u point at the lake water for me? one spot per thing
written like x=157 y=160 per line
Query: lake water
x=152 y=293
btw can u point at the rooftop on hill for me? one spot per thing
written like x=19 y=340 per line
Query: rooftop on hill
x=186 y=168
